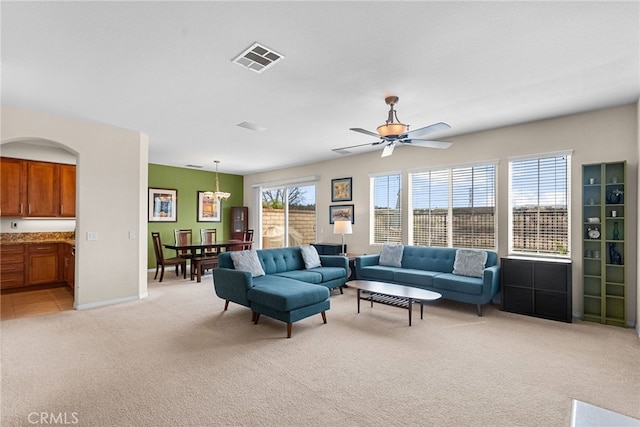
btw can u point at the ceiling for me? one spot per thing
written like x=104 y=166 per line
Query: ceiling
x=165 y=69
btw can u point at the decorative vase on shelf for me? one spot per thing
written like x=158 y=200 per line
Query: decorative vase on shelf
x=615 y=196
x=616 y=232
x=614 y=256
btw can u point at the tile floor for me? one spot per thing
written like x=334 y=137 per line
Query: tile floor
x=35 y=302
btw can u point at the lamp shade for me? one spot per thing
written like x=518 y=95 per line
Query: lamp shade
x=392 y=129
x=342 y=227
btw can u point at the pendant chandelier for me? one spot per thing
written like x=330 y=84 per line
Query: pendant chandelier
x=217 y=194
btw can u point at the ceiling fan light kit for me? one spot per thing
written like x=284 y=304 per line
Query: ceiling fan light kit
x=392 y=127
x=393 y=131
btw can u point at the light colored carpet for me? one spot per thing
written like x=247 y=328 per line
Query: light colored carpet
x=176 y=359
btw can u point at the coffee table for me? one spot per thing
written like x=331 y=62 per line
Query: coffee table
x=394 y=295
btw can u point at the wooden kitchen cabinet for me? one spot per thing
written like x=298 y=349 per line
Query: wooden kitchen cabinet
x=12 y=266
x=43 y=189
x=68 y=191
x=37 y=189
x=13 y=187
x=68 y=264
x=43 y=264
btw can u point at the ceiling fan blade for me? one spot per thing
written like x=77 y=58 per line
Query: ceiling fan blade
x=388 y=149
x=366 y=132
x=427 y=143
x=428 y=129
x=343 y=150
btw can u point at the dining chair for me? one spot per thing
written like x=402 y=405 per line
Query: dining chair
x=161 y=261
x=209 y=258
x=207 y=236
x=248 y=237
x=183 y=237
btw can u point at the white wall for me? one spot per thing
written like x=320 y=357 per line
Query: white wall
x=601 y=136
x=111 y=200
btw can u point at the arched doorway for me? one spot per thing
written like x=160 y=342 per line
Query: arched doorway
x=49 y=298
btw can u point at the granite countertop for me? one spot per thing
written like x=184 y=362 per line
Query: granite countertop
x=67 y=237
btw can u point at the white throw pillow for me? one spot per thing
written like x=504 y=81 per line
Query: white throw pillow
x=247 y=261
x=469 y=262
x=391 y=255
x=310 y=256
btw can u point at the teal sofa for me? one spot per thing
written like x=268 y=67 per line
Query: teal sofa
x=288 y=291
x=431 y=268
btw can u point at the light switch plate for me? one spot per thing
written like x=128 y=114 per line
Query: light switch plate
x=92 y=235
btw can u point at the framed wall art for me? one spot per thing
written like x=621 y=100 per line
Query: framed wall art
x=163 y=205
x=341 y=190
x=209 y=208
x=340 y=213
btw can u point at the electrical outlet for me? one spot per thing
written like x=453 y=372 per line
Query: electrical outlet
x=92 y=235
x=14 y=224
x=132 y=235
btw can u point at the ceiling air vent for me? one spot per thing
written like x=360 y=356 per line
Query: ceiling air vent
x=257 y=58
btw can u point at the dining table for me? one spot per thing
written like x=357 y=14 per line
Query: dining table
x=197 y=249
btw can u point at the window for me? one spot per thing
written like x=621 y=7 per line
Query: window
x=539 y=205
x=430 y=202
x=454 y=207
x=288 y=211
x=386 y=209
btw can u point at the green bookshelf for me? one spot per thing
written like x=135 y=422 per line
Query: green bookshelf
x=604 y=257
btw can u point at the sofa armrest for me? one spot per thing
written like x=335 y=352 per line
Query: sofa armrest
x=334 y=261
x=491 y=282
x=367 y=260
x=232 y=285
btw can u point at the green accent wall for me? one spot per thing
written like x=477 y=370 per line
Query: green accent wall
x=188 y=182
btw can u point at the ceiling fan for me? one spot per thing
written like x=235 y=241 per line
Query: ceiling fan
x=392 y=132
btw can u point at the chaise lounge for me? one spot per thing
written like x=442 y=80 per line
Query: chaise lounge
x=279 y=283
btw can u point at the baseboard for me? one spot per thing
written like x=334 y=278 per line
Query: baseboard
x=97 y=304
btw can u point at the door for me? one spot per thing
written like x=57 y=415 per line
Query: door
x=288 y=216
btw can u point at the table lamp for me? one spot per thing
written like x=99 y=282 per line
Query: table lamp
x=342 y=227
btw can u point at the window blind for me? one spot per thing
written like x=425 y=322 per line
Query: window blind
x=539 y=214
x=454 y=207
x=430 y=203
x=387 y=209
x=473 y=213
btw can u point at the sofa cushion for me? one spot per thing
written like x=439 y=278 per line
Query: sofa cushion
x=278 y=260
x=283 y=294
x=418 y=278
x=469 y=262
x=307 y=276
x=429 y=258
x=330 y=273
x=247 y=261
x=378 y=272
x=457 y=283
x=310 y=256
x=391 y=255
